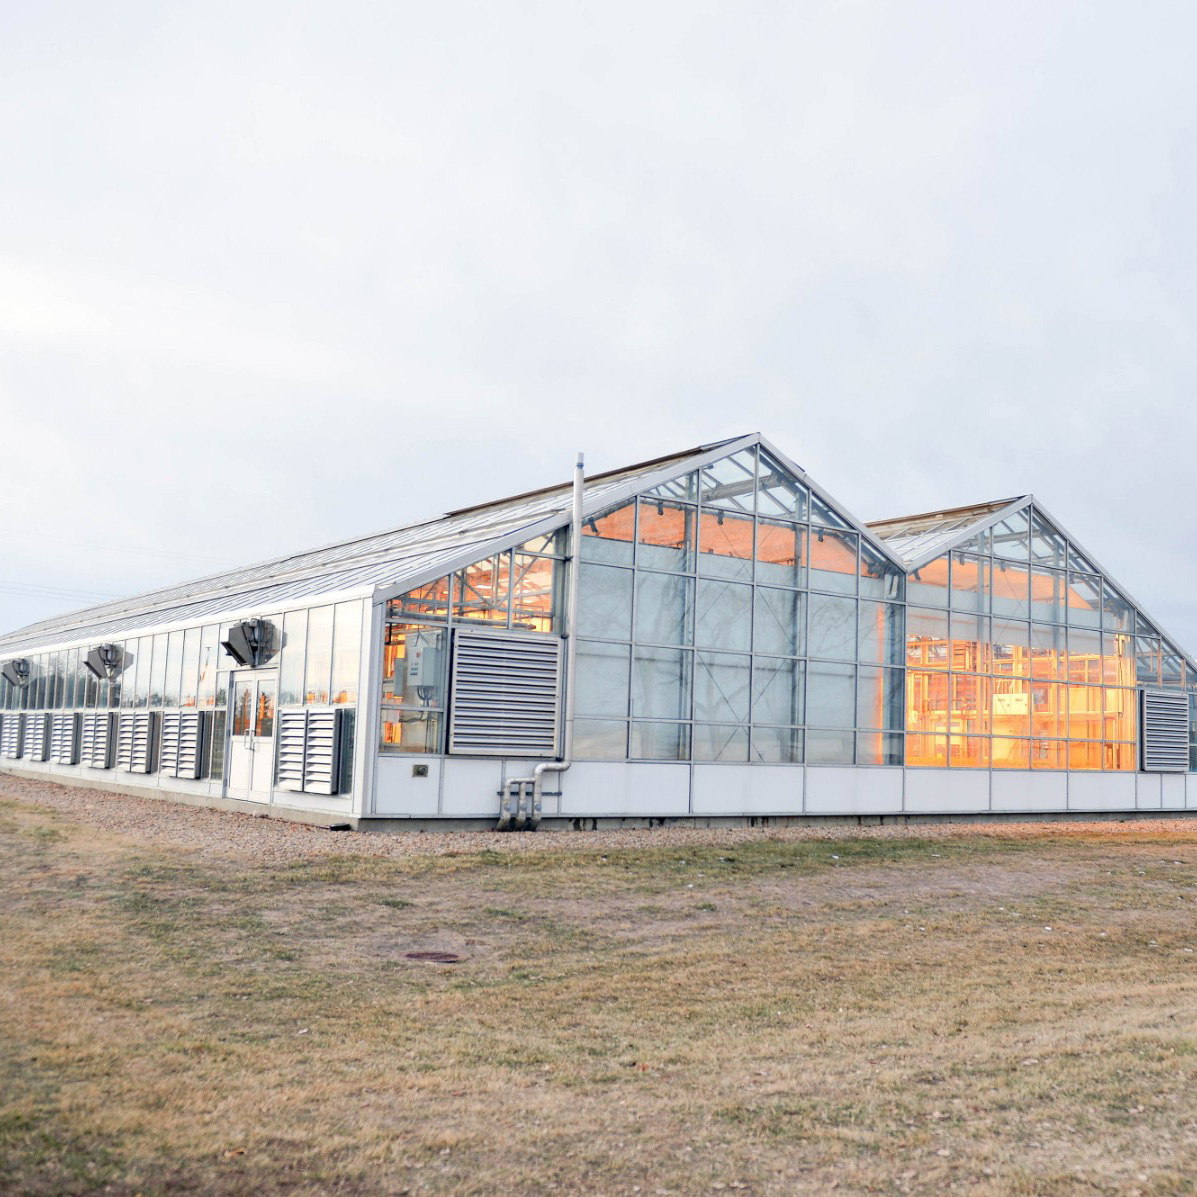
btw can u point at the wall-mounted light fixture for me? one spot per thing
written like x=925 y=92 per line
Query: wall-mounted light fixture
x=251 y=642
x=105 y=661
x=16 y=671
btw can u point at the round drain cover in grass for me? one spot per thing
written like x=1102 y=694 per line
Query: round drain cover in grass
x=434 y=957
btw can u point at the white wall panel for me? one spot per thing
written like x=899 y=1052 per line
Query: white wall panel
x=1101 y=791
x=398 y=793
x=470 y=789
x=747 y=790
x=1021 y=790
x=1172 y=788
x=853 y=791
x=1147 y=791
x=946 y=791
x=595 y=789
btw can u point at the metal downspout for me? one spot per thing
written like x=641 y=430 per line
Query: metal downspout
x=514 y=812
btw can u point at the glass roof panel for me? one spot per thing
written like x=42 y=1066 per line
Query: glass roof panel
x=779 y=493
x=730 y=482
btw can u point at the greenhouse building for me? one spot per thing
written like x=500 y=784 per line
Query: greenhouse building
x=704 y=636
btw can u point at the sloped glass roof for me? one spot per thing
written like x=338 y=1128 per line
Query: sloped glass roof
x=916 y=537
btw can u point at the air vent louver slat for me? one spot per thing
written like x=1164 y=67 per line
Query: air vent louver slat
x=96 y=747
x=1165 y=731
x=181 y=738
x=505 y=694
x=37 y=736
x=135 y=741
x=309 y=742
x=10 y=735
x=64 y=738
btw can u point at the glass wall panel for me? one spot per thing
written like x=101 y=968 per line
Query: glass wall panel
x=1011 y=537
x=926 y=638
x=879 y=698
x=779 y=493
x=970 y=583
x=1011 y=590
x=661 y=682
x=777 y=745
x=347 y=647
x=725 y=546
x=600 y=740
x=1049 y=711
x=968 y=752
x=174 y=670
x=780 y=554
x=880 y=633
x=1049 y=656
x=1084 y=706
x=1011 y=754
x=777 y=690
x=822 y=513
x=415 y=673
x=206 y=690
x=429 y=602
x=1049 y=754
x=1049 y=594
x=1117 y=613
x=879 y=578
x=1048 y=547
x=714 y=742
x=729 y=482
x=1084 y=656
x=833 y=560
x=604 y=672
x=1172 y=667
x=830 y=695
x=1083 y=604
x=971 y=705
x=928 y=585
x=660 y=741
x=970 y=643
x=1011 y=648
x=290 y=677
x=724 y=615
x=926 y=748
x=535 y=593
x=664 y=609
x=605 y=602
x=878 y=748
x=831 y=633
x=721 y=682
x=482 y=591
x=666 y=536
x=829 y=747
x=684 y=488
x=610 y=538
x=1147 y=660
x=157 y=671
x=1011 y=707
x=190 y=678
x=132 y=667
x=318 y=670
x=1120 y=720
x=72 y=674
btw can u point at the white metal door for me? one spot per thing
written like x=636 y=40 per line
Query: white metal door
x=251 y=736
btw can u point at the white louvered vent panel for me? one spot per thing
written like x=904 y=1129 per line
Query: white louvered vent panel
x=292 y=732
x=168 y=752
x=505 y=694
x=181 y=743
x=37 y=736
x=321 y=757
x=10 y=734
x=96 y=739
x=64 y=738
x=1165 y=731
x=309 y=750
x=135 y=741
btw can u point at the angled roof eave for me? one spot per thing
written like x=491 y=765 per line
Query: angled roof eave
x=982 y=524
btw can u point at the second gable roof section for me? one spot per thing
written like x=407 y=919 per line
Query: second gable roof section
x=598 y=498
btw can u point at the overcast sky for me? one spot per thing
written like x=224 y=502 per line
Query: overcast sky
x=276 y=273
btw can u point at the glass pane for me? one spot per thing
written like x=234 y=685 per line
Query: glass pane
x=1011 y=590
x=413 y=688
x=206 y=691
x=174 y=669
x=880 y=695
x=1049 y=593
x=666 y=536
x=664 y=609
x=661 y=683
x=724 y=615
x=318 y=669
x=777 y=690
x=551 y=544
x=1172 y=666
x=660 y=741
x=926 y=638
x=823 y=513
x=926 y=749
x=970 y=643
x=1120 y=710
x=832 y=630
x=534 y=593
x=1011 y=754
x=777 y=745
x=684 y=488
x=129 y=675
x=878 y=748
x=1147 y=660
x=721 y=688
x=725 y=546
x=1011 y=707
x=243 y=707
x=778 y=491
x=1084 y=755
x=1049 y=711
x=157 y=671
x=347 y=647
x=190 y=679
x=927 y=709
x=829 y=747
x=1085 y=656
x=969 y=752
x=780 y=623
x=295 y=631
x=604 y=671
x=600 y=740
x=264 y=711
x=970 y=583
x=879 y=578
x=1011 y=648
x=970 y=708
x=410 y=730
x=1119 y=757
x=833 y=560
x=1083 y=601
x=830 y=695
x=713 y=742
x=1049 y=754
x=1011 y=537
x=928 y=585
x=1049 y=656
x=610 y=537
x=780 y=554
x=1084 y=713
x=605 y=602
x=880 y=633
x=482 y=591
x=430 y=601
x=1048 y=547
x=729 y=482
x=1117 y=614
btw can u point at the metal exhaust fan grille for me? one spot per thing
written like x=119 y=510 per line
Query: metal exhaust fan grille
x=135 y=742
x=10 y=735
x=309 y=750
x=64 y=738
x=182 y=741
x=37 y=736
x=505 y=694
x=1165 y=735
x=95 y=748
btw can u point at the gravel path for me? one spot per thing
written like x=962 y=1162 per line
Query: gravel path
x=273 y=841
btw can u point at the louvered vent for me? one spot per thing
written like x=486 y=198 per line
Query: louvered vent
x=505 y=694
x=95 y=748
x=182 y=742
x=309 y=749
x=37 y=736
x=135 y=741
x=10 y=734
x=64 y=738
x=1165 y=734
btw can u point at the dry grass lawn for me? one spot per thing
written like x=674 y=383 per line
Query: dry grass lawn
x=981 y=1014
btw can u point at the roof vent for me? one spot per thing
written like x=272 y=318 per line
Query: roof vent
x=105 y=661
x=251 y=642
x=16 y=672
